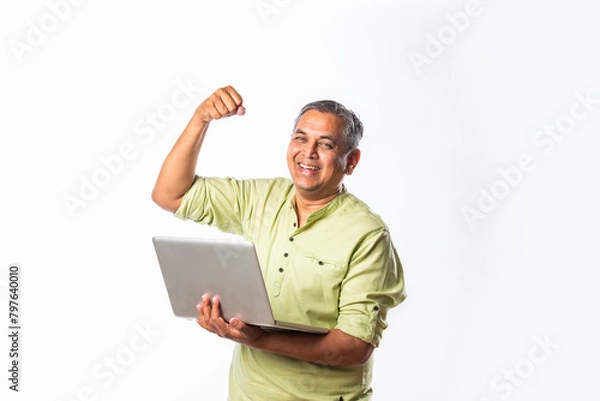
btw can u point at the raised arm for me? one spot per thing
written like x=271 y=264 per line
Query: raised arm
x=179 y=168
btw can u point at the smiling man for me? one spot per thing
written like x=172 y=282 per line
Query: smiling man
x=327 y=259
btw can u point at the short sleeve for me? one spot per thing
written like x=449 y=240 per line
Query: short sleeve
x=374 y=284
x=214 y=201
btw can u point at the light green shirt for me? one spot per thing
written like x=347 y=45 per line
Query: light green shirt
x=339 y=270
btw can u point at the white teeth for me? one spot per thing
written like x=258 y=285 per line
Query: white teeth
x=309 y=167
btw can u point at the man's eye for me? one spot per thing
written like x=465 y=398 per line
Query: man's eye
x=326 y=145
x=299 y=138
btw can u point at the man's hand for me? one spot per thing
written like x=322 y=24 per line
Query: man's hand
x=209 y=318
x=224 y=102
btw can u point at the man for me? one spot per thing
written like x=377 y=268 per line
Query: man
x=327 y=259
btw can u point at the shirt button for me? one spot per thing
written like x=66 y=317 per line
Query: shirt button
x=291 y=239
x=294 y=224
x=285 y=255
x=281 y=270
x=321 y=262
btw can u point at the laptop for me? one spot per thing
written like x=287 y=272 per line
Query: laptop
x=224 y=267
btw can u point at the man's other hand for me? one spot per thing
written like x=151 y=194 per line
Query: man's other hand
x=224 y=102
x=209 y=318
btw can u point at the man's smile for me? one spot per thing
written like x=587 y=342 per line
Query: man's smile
x=307 y=168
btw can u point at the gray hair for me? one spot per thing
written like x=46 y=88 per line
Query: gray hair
x=353 y=130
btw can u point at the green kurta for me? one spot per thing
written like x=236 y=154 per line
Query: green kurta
x=340 y=270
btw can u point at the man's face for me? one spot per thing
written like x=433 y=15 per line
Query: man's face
x=317 y=157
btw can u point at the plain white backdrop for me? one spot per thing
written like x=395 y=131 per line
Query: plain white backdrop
x=501 y=268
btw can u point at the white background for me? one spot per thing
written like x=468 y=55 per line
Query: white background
x=436 y=135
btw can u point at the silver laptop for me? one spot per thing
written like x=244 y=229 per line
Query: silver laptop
x=224 y=267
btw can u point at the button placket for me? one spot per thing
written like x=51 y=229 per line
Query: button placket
x=285 y=260
x=282 y=267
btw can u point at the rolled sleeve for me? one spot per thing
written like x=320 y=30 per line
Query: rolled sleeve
x=213 y=201
x=374 y=284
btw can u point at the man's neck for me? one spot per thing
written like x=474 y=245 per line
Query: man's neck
x=306 y=206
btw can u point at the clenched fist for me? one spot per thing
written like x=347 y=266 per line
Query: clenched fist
x=224 y=102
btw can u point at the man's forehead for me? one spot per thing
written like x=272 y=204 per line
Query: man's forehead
x=316 y=122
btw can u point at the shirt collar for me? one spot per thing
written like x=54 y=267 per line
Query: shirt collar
x=325 y=210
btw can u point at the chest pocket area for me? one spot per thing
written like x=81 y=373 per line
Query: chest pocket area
x=321 y=280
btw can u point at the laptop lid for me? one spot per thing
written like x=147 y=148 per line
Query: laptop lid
x=228 y=268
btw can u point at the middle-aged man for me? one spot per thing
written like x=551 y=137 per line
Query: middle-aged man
x=327 y=259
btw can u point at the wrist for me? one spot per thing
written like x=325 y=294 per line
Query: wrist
x=260 y=341
x=196 y=128
x=200 y=119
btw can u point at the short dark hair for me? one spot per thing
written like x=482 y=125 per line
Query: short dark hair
x=353 y=131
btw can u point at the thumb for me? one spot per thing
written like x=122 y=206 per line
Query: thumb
x=241 y=110
x=236 y=323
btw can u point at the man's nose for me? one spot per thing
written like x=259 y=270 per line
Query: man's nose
x=310 y=150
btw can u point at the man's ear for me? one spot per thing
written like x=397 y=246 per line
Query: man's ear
x=352 y=160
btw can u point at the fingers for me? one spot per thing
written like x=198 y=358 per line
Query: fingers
x=206 y=310
x=217 y=321
x=231 y=97
x=224 y=102
x=204 y=313
x=209 y=316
